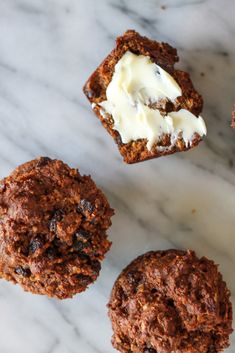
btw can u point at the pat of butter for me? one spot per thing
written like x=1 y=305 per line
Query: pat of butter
x=136 y=83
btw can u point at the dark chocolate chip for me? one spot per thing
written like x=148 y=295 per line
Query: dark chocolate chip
x=35 y=244
x=149 y=350
x=85 y=205
x=21 y=271
x=43 y=161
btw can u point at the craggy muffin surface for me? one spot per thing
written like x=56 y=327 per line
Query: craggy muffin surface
x=170 y=301
x=53 y=224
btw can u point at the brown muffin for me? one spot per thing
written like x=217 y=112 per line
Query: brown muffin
x=170 y=301
x=52 y=228
x=165 y=56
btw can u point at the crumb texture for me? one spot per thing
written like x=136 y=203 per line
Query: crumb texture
x=170 y=302
x=53 y=224
x=163 y=55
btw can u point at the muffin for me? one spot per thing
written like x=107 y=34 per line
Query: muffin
x=52 y=228
x=147 y=106
x=170 y=301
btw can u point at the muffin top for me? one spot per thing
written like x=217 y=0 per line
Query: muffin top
x=53 y=224
x=170 y=301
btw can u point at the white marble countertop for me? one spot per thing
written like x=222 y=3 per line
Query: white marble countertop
x=48 y=48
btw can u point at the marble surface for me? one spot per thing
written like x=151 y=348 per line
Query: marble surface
x=48 y=48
